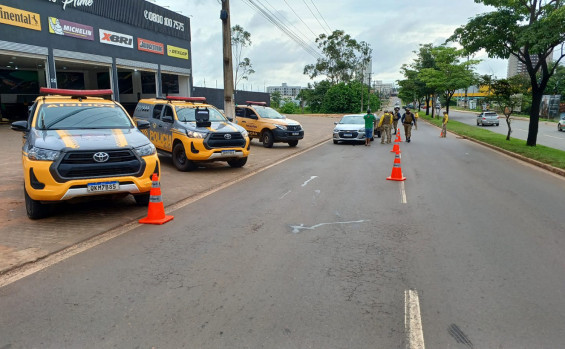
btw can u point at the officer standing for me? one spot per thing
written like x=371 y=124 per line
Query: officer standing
x=395 y=118
x=407 y=120
x=386 y=123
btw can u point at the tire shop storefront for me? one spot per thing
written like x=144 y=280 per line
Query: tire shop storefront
x=134 y=47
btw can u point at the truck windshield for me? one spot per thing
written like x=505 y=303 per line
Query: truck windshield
x=268 y=113
x=73 y=116
x=188 y=114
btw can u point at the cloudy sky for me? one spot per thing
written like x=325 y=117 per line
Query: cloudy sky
x=393 y=29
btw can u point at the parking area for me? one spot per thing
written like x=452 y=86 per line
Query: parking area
x=23 y=240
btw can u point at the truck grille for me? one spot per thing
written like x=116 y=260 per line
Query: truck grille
x=293 y=128
x=350 y=134
x=81 y=164
x=225 y=140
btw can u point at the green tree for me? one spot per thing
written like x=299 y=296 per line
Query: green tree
x=343 y=57
x=507 y=94
x=276 y=99
x=346 y=98
x=449 y=73
x=240 y=39
x=556 y=84
x=314 y=95
x=524 y=29
x=289 y=107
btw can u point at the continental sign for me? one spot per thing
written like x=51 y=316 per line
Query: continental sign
x=20 y=18
x=66 y=28
x=177 y=52
x=150 y=46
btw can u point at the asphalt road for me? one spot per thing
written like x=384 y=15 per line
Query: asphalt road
x=322 y=251
x=548 y=134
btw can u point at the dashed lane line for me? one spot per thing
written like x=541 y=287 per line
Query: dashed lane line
x=413 y=321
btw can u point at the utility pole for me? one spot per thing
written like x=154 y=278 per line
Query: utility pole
x=229 y=105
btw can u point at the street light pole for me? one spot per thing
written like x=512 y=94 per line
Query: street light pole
x=229 y=105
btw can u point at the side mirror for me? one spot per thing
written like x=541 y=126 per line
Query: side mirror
x=335 y=122
x=143 y=124
x=19 y=126
x=230 y=119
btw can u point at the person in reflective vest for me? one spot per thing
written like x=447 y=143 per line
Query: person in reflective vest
x=407 y=120
x=386 y=123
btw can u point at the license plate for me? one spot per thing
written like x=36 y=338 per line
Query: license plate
x=228 y=152
x=295 y=133
x=102 y=187
x=347 y=135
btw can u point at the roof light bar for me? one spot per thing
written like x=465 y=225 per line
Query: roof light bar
x=187 y=99
x=75 y=93
x=255 y=103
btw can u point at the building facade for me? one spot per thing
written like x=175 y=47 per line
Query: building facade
x=515 y=67
x=285 y=90
x=134 y=47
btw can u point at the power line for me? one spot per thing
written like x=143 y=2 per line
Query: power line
x=300 y=19
x=287 y=21
x=282 y=27
x=312 y=12
x=316 y=7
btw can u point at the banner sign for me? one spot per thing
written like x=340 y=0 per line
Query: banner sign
x=138 y=13
x=150 y=46
x=117 y=39
x=20 y=18
x=177 y=52
x=66 y=28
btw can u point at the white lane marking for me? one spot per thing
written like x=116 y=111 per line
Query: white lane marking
x=553 y=137
x=413 y=321
x=32 y=268
x=285 y=194
x=402 y=193
x=311 y=178
x=297 y=228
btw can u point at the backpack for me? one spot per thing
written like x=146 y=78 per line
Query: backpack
x=408 y=118
x=387 y=119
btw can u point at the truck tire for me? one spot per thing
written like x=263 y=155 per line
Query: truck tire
x=236 y=163
x=180 y=160
x=35 y=209
x=268 y=139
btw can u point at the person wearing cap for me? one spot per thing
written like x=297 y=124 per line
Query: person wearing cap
x=369 y=126
x=395 y=117
x=386 y=124
x=407 y=120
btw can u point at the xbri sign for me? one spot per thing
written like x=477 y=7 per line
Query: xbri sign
x=113 y=38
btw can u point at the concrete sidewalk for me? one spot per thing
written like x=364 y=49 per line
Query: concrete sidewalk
x=24 y=241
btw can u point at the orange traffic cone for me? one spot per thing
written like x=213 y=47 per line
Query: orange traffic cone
x=398 y=139
x=395 y=149
x=155 y=209
x=396 y=174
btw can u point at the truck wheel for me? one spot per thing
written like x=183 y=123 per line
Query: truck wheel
x=142 y=199
x=180 y=160
x=35 y=209
x=292 y=143
x=236 y=163
x=268 y=139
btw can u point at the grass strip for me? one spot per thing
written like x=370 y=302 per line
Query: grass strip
x=547 y=155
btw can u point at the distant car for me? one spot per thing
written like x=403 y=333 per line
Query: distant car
x=350 y=128
x=561 y=124
x=488 y=118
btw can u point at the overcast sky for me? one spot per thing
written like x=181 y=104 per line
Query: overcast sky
x=393 y=29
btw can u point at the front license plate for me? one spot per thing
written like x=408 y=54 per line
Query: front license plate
x=228 y=152
x=295 y=133
x=102 y=187
x=347 y=135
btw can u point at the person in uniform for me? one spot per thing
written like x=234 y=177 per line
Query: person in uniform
x=386 y=123
x=407 y=120
x=444 y=124
x=369 y=126
x=395 y=118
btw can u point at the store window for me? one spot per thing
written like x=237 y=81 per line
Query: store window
x=170 y=83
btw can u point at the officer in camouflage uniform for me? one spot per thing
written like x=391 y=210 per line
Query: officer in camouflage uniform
x=407 y=120
x=386 y=124
x=395 y=118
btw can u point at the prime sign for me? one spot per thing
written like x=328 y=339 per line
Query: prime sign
x=75 y=3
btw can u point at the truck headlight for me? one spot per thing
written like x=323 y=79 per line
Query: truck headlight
x=145 y=150
x=244 y=133
x=282 y=127
x=35 y=153
x=195 y=134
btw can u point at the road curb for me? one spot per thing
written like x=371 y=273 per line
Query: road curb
x=540 y=164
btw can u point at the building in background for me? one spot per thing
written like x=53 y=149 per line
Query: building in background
x=285 y=90
x=515 y=67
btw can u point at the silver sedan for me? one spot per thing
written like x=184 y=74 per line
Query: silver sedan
x=350 y=128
